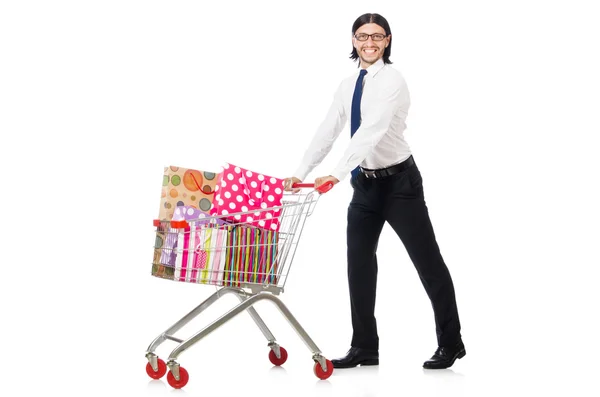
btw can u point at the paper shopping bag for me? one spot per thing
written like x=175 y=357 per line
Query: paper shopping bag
x=200 y=254
x=183 y=186
x=162 y=265
x=191 y=215
x=244 y=196
x=251 y=256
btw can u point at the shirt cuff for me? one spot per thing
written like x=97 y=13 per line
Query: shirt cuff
x=340 y=175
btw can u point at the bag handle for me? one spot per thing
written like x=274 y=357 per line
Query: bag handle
x=198 y=185
x=251 y=200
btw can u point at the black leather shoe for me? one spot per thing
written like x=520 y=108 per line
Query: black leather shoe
x=357 y=356
x=444 y=357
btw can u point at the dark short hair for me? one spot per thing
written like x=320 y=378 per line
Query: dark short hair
x=379 y=20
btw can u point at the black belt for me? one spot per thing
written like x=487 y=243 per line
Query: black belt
x=383 y=172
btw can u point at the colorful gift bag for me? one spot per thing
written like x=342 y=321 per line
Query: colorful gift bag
x=169 y=243
x=183 y=186
x=217 y=259
x=159 y=267
x=200 y=254
x=240 y=190
x=190 y=214
x=209 y=251
x=251 y=256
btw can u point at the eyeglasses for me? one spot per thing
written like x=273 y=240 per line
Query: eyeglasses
x=374 y=36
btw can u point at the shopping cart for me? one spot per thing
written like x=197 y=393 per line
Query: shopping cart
x=244 y=260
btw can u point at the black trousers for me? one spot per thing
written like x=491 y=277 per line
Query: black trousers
x=399 y=200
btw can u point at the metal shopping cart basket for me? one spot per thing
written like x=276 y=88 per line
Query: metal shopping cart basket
x=249 y=262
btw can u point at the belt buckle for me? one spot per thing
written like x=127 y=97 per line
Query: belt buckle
x=368 y=174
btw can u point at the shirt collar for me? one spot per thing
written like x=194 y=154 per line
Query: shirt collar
x=375 y=68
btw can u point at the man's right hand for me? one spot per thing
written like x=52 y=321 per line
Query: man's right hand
x=289 y=182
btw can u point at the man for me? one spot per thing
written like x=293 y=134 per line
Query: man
x=387 y=188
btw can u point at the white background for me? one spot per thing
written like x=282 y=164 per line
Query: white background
x=97 y=96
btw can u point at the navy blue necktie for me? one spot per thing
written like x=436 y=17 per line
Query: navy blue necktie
x=355 y=114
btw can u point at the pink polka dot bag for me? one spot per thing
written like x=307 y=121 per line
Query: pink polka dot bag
x=248 y=197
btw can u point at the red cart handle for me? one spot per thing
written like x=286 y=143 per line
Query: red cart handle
x=324 y=188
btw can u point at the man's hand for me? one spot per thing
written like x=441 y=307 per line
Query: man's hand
x=288 y=184
x=324 y=179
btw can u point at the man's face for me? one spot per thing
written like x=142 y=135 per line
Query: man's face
x=370 y=51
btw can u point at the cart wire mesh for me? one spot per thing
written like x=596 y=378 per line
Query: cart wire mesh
x=232 y=250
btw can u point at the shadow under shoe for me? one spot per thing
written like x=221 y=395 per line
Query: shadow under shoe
x=444 y=356
x=357 y=356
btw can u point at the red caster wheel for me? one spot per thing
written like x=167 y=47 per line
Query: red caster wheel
x=280 y=360
x=162 y=369
x=183 y=378
x=319 y=370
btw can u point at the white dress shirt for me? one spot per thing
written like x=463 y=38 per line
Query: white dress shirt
x=379 y=141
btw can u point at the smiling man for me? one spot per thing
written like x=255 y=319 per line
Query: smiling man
x=387 y=188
